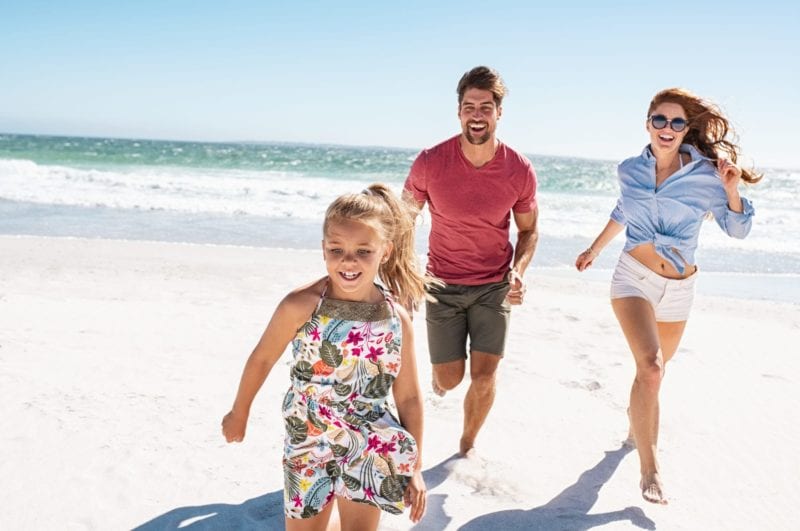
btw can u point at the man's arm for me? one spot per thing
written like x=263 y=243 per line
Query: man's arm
x=527 y=238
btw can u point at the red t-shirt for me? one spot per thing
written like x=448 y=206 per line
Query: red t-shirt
x=471 y=209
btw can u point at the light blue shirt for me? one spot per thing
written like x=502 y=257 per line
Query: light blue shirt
x=671 y=215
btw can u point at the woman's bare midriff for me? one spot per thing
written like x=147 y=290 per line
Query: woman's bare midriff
x=646 y=255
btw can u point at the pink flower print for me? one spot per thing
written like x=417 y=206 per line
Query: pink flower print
x=392 y=366
x=374 y=353
x=298 y=501
x=325 y=412
x=354 y=338
x=368 y=493
x=374 y=443
x=386 y=448
x=315 y=334
x=404 y=467
x=388 y=337
x=330 y=496
x=356 y=351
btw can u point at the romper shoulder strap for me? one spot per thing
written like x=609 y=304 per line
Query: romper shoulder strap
x=322 y=295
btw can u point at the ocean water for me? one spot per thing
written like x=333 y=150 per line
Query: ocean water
x=275 y=195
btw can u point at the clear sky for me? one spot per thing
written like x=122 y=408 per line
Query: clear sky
x=580 y=74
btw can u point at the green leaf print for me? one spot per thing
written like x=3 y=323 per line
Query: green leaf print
x=379 y=386
x=308 y=512
x=372 y=416
x=341 y=405
x=343 y=389
x=302 y=371
x=393 y=346
x=287 y=399
x=333 y=469
x=351 y=482
x=392 y=488
x=391 y=509
x=354 y=420
x=339 y=450
x=405 y=445
x=314 y=420
x=309 y=326
x=297 y=430
x=292 y=482
x=330 y=353
x=360 y=405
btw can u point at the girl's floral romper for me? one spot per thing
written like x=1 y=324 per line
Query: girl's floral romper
x=341 y=438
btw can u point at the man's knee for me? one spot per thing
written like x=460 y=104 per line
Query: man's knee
x=448 y=375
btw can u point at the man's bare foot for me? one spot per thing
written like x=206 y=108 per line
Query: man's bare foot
x=651 y=489
x=438 y=391
x=466 y=448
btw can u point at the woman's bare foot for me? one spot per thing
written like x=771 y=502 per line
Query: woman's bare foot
x=652 y=490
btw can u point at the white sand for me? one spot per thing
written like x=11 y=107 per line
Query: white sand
x=118 y=360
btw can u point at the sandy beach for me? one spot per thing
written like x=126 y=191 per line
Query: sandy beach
x=118 y=360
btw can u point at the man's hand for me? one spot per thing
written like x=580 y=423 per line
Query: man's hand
x=517 y=292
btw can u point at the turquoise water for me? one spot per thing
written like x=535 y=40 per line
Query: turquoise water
x=273 y=194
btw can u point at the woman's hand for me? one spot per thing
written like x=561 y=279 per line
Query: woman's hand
x=585 y=259
x=729 y=173
x=416 y=497
x=234 y=426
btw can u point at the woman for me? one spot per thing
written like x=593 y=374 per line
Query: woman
x=688 y=172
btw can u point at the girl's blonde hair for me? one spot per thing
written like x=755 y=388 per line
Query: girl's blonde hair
x=394 y=218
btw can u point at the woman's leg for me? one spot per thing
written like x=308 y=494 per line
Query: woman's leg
x=638 y=322
x=669 y=337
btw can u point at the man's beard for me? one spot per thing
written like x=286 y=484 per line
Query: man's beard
x=477 y=140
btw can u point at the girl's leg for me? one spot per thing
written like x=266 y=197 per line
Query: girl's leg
x=315 y=523
x=358 y=516
x=638 y=322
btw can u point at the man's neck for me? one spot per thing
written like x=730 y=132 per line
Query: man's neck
x=478 y=154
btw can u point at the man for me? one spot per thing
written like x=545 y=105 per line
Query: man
x=472 y=183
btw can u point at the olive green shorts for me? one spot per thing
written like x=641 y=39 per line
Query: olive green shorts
x=478 y=312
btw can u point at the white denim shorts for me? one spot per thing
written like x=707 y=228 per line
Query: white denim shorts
x=670 y=298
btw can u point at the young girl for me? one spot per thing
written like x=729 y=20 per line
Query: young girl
x=687 y=171
x=352 y=344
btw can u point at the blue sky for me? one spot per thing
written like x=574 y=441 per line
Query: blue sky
x=580 y=74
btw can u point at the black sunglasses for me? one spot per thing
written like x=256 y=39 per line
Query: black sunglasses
x=659 y=121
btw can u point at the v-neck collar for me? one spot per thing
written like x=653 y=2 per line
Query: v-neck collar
x=695 y=158
x=470 y=164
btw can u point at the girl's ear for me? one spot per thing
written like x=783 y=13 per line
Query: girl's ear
x=387 y=252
